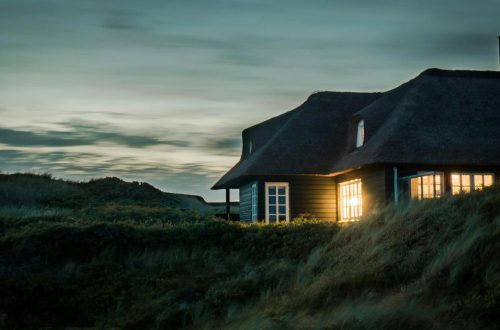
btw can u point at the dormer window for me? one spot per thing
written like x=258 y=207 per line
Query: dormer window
x=360 y=136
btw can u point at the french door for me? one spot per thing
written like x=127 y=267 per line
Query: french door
x=277 y=202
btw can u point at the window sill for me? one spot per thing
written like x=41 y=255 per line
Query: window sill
x=347 y=221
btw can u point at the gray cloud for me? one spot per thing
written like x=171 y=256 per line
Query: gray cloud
x=81 y=133
x=223 y=145
x=120 y=20
x=25 y=138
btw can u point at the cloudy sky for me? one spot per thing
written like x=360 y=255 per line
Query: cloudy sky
x=159 y=90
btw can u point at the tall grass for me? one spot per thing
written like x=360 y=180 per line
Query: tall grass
x=431 y=264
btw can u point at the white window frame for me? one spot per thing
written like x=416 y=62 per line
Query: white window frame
x=287 y=193
x=422 y=174
x=359 y=192
x=360 y=134
x=471 y=180
x=254 y=206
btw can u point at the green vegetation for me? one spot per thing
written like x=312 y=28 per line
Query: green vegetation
x=432 y=264
x=107 y=199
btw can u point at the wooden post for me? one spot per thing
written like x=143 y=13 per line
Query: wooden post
x=498 y=52
x=228 y=204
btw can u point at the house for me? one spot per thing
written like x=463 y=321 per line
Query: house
x=339 y=156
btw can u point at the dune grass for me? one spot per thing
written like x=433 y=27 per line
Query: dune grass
x=432 y=264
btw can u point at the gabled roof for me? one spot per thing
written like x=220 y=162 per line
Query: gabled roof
x=440 y=117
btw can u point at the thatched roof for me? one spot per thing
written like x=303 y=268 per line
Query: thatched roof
x=440 y=117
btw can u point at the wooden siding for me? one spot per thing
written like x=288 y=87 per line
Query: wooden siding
x=312 y=195
x=317 y=195
x=373 y=186
x=246 y=202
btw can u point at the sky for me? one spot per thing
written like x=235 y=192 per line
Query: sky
x=160 y=90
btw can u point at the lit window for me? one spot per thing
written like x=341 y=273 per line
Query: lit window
x=277 y=202
x=350 y=200
x=254 y=202
x=465 y=182
x=360 y=137
x=426 y=186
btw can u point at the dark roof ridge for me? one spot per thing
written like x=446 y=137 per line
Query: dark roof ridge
x=460 y=73
x=318 y=95
x=282 y=115
x=323 y=94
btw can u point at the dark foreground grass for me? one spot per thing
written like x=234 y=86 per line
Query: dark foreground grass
x=432 y=265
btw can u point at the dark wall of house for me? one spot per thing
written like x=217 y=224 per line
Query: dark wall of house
x=246 y=202
x=317 y=195
x=313 y=195
x=373 y=186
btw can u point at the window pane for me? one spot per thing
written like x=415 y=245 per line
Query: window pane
x=276 y=202
x=415 y=184
x=350 y=200
x=465 y=182
x=478 y=182
x=282 y=218
x=360 y=136
x=488 y=180
x=420 y=192
x=437 y=185
x=455 y=184
x=428 y=186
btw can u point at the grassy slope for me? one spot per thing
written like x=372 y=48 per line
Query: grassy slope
x=432 y=264
x=107 y=199
x=43 y=190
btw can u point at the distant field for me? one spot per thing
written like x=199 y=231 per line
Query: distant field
x=422 y=265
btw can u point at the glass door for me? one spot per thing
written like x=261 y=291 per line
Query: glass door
x=277 y=201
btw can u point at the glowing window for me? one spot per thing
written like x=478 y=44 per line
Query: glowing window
x=426 y=186
x=465 y=182
x=360 y=136
x=350 y=200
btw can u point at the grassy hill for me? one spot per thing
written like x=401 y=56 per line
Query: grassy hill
x=431 y=264
x=26 y=195
x=43 y=190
